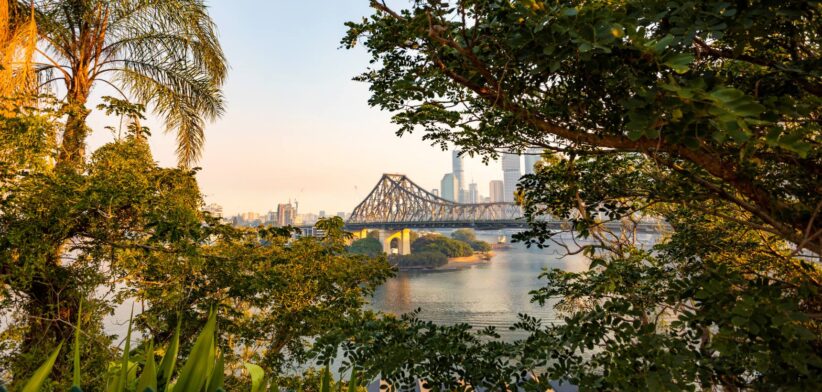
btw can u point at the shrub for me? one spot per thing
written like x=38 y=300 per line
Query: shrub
x=426 y=259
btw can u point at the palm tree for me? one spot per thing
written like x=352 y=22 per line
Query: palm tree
x=162 y=53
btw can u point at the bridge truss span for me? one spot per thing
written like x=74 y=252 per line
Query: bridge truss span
x=397 y=202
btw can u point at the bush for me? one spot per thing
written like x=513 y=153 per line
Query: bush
x=480 y=246
x=366 y=246
x=464 y=235
x=426 y=259
x=442 y=244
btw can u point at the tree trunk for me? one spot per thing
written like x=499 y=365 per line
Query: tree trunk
x=73 y=146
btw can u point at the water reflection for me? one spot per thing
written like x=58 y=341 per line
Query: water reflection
x=490 y=294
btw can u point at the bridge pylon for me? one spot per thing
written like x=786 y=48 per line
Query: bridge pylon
x=403 y=238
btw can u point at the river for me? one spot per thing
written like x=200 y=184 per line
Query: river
x=488 y=294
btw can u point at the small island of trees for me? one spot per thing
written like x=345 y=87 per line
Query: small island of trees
x=429 y=250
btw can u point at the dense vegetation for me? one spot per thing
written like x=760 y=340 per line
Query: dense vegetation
x=470 y=237
x=438 y=243
x=422 y=259
x=366 y=246
x=703 y=113
x=82 y=234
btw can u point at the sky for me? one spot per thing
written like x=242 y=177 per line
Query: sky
x=296 y=127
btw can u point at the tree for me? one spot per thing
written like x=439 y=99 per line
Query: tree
x=163 y=53
x=366 y=246
x=464 y=235
x=726 y=94
x=470 y=237
x=701 y=116
x=442 y=244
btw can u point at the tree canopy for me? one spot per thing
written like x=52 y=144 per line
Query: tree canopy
x=163 y=53
x=725 y=94
x=701 y=116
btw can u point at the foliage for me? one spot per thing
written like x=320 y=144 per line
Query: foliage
x=202 y=371
x=164 y=53
x=441 y=244
x=699 y=117
x=464 y=235
x=470 y=237
x=424 y=259
x=366 y=246
x=727 y=94
x=135 y=231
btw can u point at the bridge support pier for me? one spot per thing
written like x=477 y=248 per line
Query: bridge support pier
x=360 y=234
x=403 y=238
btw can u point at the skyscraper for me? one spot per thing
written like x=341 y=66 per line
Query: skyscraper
x=532 y=156
x=448 y=187
x=510 y=175
x=473 y=193
x=286 y=214
x=496 y=190
x=459 y=174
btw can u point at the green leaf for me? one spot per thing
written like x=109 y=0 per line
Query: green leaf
x=217 y=375
x=726 y=94
x=39 y=377
x=680 y=63
x=76 y=371
x=257 y=374
x=569 y=11
x=663 y=43
x=122 y=380
x=195 y=371
x=170 y=358
x=148 y=379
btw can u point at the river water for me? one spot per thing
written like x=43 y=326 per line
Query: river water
x=489 y=294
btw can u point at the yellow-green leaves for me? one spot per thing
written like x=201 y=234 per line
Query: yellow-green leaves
x=257 y=375
x=197 y=369
x=680 y=62
x=148 y=378
x=76 y=372
x=39 y=378
x=170 y=358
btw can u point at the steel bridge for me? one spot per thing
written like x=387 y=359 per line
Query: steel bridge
x=398 y=203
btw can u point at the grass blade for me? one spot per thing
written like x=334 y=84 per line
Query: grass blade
x=122 y=380
x=195 y=372
x=76 y=373
x=217 y=375
x=169 y=360
x=39 y=378
x=257 y=375
x=148 y=379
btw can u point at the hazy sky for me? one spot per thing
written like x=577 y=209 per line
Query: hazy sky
x=296 y=125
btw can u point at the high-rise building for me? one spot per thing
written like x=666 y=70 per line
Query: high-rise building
x=532 y=156
x=473 y=193
x=286 y=214
x=448 y=187
x=435 y=192
x=510 y=175
x=496 y=191
x=459 y=173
